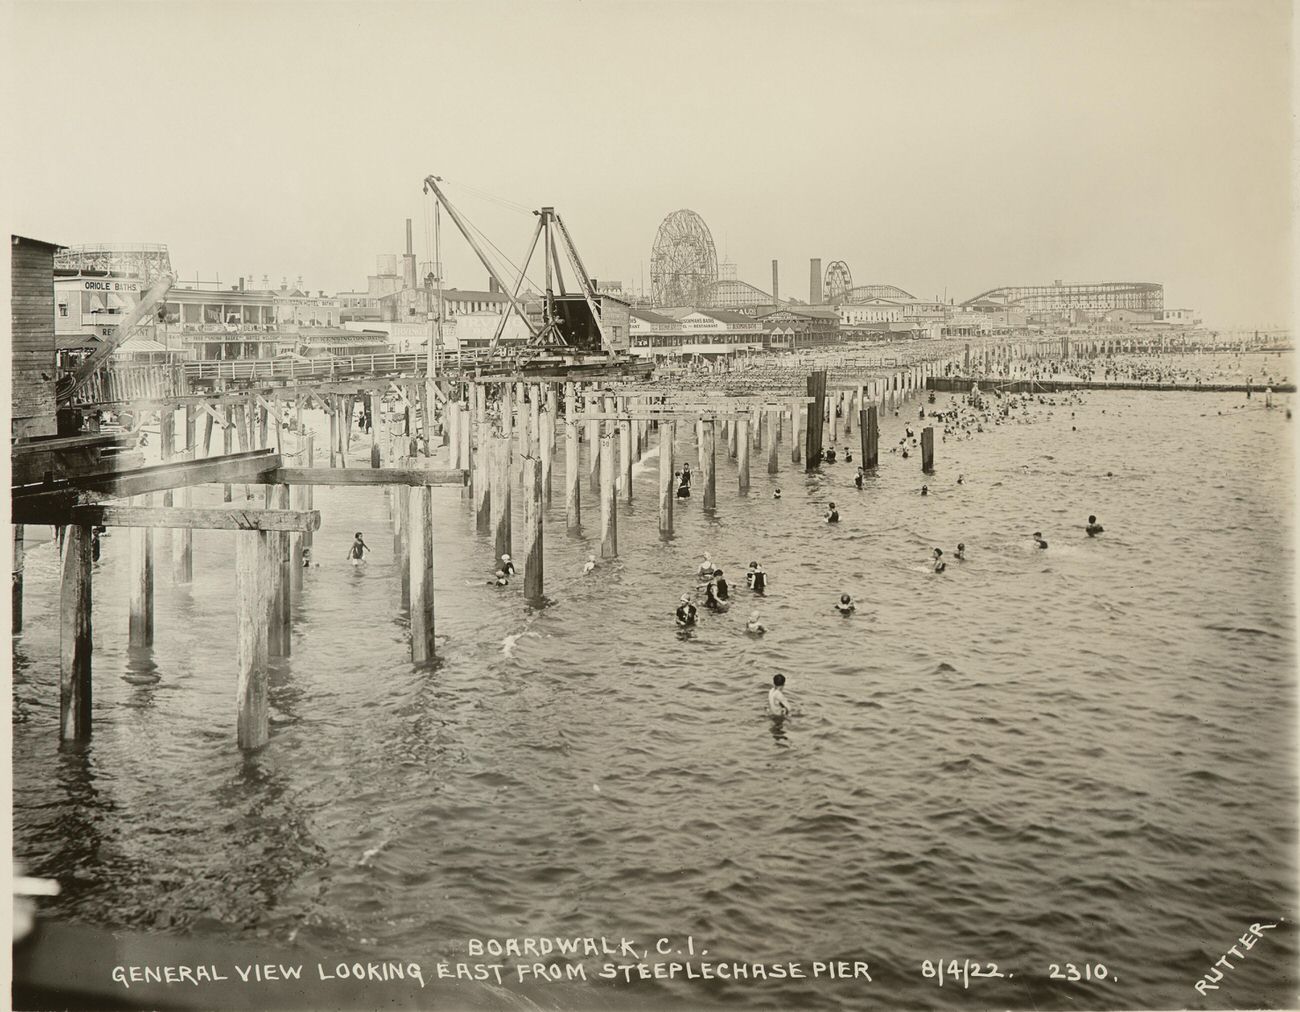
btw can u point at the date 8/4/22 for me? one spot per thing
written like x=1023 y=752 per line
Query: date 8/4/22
x=963 y=971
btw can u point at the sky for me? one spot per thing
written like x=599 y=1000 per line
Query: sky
x=944 y=147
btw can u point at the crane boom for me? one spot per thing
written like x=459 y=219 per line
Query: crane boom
x=69 y=385
x=431 y=183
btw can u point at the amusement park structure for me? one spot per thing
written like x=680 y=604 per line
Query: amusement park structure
x=683 y=262
x=1142 y=296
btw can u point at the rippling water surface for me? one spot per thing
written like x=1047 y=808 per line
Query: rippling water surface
x=1080 y=755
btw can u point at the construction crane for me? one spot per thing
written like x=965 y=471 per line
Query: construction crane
x=565 y=329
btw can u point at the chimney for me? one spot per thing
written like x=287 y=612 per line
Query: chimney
x=776 y=288
x=815 y=281
x=241 y=284
x=492 y=285
x=409 y=248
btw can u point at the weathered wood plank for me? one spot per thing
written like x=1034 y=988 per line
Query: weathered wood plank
x=415 y=476
x=197 y=518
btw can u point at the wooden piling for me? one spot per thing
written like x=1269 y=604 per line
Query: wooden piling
x=297 y=542
x=796 y=409
x=593 y=447
x=869 y=431
x=708 y=458
x=401 y=536
x=75 y=635
x=816 y=386
x=227 y=444
x=742 y=451
x=533 y=556
x=548 y=451
x=534 y=426
x=141 y=581
x=482 y=465
x=167 y=443
x=466 y=438
x=279 y=638
x=667 y=491
x=372 y=413
x=572 y=475
x=18 y=579
x=332 y=408
x=733 y=444
x=608 y=499
x=927 y=449
x=625 y=453
x=772 y=422
x=420 y=529
x=254 y=564
x=501 y=496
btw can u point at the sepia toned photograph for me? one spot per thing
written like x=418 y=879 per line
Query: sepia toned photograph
x=645 y=506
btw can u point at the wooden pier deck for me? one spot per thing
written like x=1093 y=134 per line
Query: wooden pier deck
x=1009 y=384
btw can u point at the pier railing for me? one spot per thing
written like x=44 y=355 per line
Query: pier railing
x=120 y=384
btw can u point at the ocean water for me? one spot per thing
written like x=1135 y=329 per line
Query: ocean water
x=1078 y=756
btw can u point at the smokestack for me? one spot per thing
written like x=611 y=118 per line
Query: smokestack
x=241 y=284
x=815 y=281
x=409 y=248
x=492 y=285
x=776 y=288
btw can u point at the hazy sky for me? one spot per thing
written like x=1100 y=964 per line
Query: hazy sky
x=939 y=146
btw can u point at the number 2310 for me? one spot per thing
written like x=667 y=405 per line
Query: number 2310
x=1091 y=971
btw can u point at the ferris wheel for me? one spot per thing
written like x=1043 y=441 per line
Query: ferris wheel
x=838 y=282
x=684 y=262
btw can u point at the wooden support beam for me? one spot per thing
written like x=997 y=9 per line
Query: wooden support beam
x=414 y=475
x=572 y=472
x=733 y=443
x=277 y=637
x=402 y=537
x=533 y=533
x=869 y=432
x=547 y=419
x=53 y=506
x=608 y=499
x=773 y=423
x=140 y=582
x=742 y=453
x=466 y=441
x=18 y=580
x=298 y=540
x=501 y=496
x=482 y=463
x=625 y=457
x=75 y=636
x=420 y=531
x=196 y=518
x=593 y=446
x=183 y=540
x=795 y=410
x=667 y=484
x=708 y=460
x=254 y=563
x=227 y=446
x=167 y=444
x=927 y=449
x=534 y=423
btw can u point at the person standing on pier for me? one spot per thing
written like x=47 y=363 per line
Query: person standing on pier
x=358 y=549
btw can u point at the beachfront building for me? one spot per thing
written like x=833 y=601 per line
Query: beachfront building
x=684 y=332
x=797 y=327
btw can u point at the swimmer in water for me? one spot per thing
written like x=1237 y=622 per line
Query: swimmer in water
x=686 y=611
x=756 y=578
x=961 y=551
x=776 y=494
x=830 y=455
x=706 y=567
x=776 y=703
x=845 y=605
x=925 y=490
x=939 y=564
x=507 y=565
x=723 y=591
x=590 y=564
x=848 y=455
x=499 y=580
x=1093 y=528
x=357 y=550
x=832 y=514
x=711 y=599
x=754 y=625
x=1038 y=539
x=961 y=479
x=857 y=479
